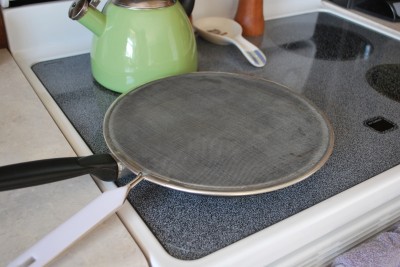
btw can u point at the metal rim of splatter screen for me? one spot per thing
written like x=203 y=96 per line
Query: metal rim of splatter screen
x=217 y=133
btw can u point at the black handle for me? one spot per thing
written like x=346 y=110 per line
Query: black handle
x=16 y=3
x=188 y=5
x=45 y=171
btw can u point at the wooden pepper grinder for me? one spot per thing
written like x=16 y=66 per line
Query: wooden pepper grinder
x=250 y=15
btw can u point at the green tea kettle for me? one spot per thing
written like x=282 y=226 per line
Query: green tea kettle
x=137 y=41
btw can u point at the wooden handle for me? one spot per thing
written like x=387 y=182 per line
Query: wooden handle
x=250 y=15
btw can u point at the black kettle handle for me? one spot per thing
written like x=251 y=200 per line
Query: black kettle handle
x=188 y=5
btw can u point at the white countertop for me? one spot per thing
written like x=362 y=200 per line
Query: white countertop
x=29 y=133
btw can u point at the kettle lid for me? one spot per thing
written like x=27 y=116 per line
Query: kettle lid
x=143 y=4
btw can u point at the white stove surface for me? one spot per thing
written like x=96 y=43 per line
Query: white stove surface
x=310 y=238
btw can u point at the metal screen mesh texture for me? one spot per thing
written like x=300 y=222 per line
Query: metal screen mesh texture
x=218 y=132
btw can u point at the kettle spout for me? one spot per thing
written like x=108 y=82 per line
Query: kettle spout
x=87 y=15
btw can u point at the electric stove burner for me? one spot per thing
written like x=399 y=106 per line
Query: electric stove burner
x=386 y=80
x=322 y=41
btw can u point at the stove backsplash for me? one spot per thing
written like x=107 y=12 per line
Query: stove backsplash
x=384 y=9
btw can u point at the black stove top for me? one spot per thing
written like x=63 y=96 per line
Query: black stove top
x=324 y=57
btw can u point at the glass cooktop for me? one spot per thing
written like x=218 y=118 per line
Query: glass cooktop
x=319 y=55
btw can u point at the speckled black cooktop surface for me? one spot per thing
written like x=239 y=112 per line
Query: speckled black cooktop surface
x=329 y=60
